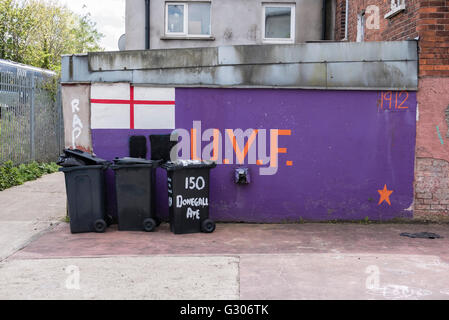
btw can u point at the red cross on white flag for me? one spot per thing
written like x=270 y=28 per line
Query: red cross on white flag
x=123 y=106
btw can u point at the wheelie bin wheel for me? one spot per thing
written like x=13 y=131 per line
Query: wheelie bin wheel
x=109 y=220
x=208 y=226
x=149 y=225
x=158 y=221
x=100 y=226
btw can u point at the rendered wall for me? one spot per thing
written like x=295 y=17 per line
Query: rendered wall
x=233 y=22
x=350 y=155
x=76 y=106
x=432 y=152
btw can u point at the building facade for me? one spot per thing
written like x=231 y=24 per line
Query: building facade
x=361 y=120
x=326 y=131
x=161 y=24
x=428 y=22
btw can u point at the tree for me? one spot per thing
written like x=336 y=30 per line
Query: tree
x=38 y=32
x=17 y=24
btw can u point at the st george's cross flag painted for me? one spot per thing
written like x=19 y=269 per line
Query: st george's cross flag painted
x=124 y=106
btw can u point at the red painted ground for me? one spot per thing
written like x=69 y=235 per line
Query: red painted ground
x=230 y=239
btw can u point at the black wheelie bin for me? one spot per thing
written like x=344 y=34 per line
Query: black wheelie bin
x=86 y=192
x=136 y=194
x=188 y=192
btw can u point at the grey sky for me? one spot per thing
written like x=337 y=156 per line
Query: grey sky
x=108 y=14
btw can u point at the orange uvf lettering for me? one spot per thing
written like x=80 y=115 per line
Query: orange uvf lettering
x=194 y=146
x=275 y=145
x=216 y=144
x=241 y=155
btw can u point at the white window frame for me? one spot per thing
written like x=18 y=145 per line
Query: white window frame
x=396 y=7
x=186 y=34
x=292 y=7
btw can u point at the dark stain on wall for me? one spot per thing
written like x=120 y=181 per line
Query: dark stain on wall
x=252 y=33
x=227 y=34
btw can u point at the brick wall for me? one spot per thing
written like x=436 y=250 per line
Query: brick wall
x=433 y=29
x=432 y=150
x=403 y=26
x=427 y=19
x=432 y=189
x=340 y=20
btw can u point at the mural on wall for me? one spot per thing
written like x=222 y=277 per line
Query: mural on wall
x=123 y=106
x=385 y=195
x=349 y=155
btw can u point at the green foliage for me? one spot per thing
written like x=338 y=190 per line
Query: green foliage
x=51 y=86
x=11 y=175
x=38 y=32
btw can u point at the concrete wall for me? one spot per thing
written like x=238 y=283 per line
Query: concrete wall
x=76 y=106
x=234 y=22
x=359 y=66
x=135 y=24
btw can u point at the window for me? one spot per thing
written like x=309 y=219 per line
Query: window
x=395 y=4
x=278 y=23
x=396 y=7
x=188 y=19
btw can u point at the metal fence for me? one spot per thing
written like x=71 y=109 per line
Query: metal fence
x=31 y=125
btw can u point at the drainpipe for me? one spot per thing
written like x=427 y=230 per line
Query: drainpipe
x=323 y=35
x=147 y=24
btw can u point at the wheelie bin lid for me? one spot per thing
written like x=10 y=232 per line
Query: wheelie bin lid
x=78 y=168
x=120 y=163
x=87 y=158
x=188 y=164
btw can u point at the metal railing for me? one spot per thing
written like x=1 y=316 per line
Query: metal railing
x=31 y=125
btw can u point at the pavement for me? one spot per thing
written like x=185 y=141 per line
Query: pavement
x=40 y=259
x=28 y=210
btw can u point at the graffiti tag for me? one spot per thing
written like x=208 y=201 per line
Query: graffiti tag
x=77 y=124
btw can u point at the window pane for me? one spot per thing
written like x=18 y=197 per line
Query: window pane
x=176 y=18
x=278 y=22
x=199 y=18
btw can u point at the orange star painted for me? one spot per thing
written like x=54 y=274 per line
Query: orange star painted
x=385 y=195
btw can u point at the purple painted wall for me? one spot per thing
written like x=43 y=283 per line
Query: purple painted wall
x=345 y=146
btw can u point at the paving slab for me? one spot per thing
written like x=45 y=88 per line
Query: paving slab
x=240 y=239
x=27 y=211
x=16 y=235
x=343 y=276
x=40 y=200
x=154 y=278
x=49 y=183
